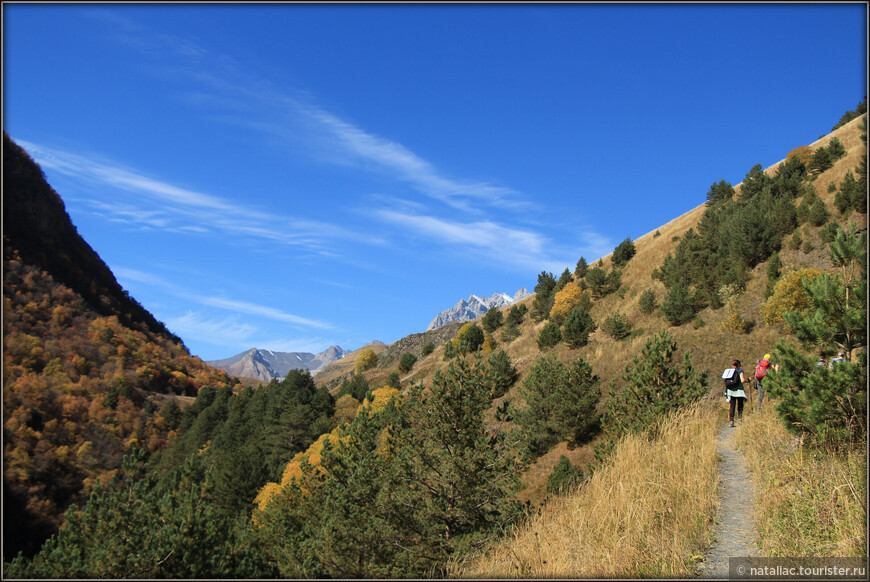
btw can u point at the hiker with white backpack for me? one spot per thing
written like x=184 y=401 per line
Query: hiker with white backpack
x=734 y=394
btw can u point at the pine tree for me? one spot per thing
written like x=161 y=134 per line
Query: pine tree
x=459 y=475
x=829 y=405
x=596 y=278
x=654 y=385
x=623 y=252
x=848 y=193
x=561 y=401
x=616 y=325
x=492 y=320
x=581 y=268
x=680 y=304
x=818 y=214
x=549 y=336
x=544 y=291
x=577 y=328
x=647 y=302
x=516 y=314
x=404 y=487
x=354 y=523
x=132 y=528
x=469 y=338
x=564 y=477
x=773 y=270
x=718 y=193
x=406 y=362
x=502 y=373
x=564 y=279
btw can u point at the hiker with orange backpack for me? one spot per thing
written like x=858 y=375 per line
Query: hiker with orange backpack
x=761 y=369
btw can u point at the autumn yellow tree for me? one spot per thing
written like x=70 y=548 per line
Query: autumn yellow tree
x=365 y=360
x=565 y=301
x=789 y=294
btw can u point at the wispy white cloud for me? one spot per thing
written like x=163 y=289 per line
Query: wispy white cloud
x=237 y=336
x=237 y=95
x=225 y=331
x=261 y=311
x=236 y=306
x=483 y=234
x=158 y=204
x=484 y=212
x=406 y=166
x=510 y=246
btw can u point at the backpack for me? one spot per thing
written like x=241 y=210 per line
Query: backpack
x=761 y=369
x=732 y=379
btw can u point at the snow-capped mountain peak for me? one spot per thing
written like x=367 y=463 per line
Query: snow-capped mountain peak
x=474 y=307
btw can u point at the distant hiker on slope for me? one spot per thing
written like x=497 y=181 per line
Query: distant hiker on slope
x=761 y=368
x=734 y=394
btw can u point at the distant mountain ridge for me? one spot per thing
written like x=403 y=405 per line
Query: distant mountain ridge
x=474 y=307
x=265 y=364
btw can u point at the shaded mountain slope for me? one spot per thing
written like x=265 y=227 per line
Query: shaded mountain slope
x=87 y=376
x=36 y=224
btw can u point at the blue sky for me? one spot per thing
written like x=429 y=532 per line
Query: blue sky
x=292 y=177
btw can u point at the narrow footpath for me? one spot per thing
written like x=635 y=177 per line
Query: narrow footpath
x=735 y=523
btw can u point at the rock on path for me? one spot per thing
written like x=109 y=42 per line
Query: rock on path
x=735 y=522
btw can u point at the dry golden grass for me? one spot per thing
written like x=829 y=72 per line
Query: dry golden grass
x=646 y=513
x=807 y=502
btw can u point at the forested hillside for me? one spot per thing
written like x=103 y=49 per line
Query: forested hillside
x=87 y=376
x=402 y=461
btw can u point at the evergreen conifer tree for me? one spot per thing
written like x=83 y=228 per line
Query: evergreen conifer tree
x=577 y=328
x=581 y=268
x=562 y=401
x=564 y=477
x=492 y=320
x=544 y=291
x=502 y=373
x=654 y=384
x=623 y=252
x=647 y=302
x=549 y=336
x=828 y=404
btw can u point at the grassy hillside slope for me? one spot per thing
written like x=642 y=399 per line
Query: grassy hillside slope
x=711 y=347
x=648 y=511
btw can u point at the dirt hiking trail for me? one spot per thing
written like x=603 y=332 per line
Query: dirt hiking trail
x=735 y=523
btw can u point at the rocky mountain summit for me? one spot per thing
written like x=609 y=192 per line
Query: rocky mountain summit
x=474 y=307
x=267 y=364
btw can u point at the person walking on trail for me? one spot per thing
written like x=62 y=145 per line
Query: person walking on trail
x=761 y=369
x=734 y=393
